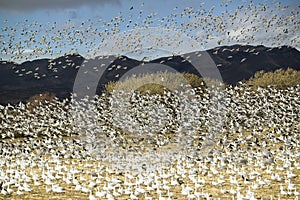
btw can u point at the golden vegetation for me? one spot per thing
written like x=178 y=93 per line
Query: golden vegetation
x=280 y=79
x=158 y=83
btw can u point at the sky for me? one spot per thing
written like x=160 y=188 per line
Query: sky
x=33 y=28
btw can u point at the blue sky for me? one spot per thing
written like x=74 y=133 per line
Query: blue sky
x=91 y=9
x=79 y=15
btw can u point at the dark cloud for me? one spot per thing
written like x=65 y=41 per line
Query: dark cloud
x=31 y=5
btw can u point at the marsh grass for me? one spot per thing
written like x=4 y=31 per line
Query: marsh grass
x=161 y=82
x=279 y=79
x=157 y=83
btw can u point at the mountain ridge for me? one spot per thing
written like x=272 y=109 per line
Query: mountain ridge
x=235 y=63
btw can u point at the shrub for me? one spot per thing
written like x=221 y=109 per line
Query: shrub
x=41 y=98
x=157 y=83
x=280 y=79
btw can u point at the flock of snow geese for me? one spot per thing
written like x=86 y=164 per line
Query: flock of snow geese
x=254 y=155
x=262 y=24
x=166 y=146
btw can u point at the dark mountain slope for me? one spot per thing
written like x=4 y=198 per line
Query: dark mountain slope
x=235 y=63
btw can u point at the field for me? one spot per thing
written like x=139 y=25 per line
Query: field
x=244 y=145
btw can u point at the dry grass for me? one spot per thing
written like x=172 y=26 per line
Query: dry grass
x=280 y=79
x=157 y=83
x=88 y=166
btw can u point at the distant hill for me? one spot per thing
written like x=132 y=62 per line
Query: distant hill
x=18 y=82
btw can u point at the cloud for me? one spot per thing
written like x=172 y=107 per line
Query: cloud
x=32 y=5
x=73 y=13
x=274 y=27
